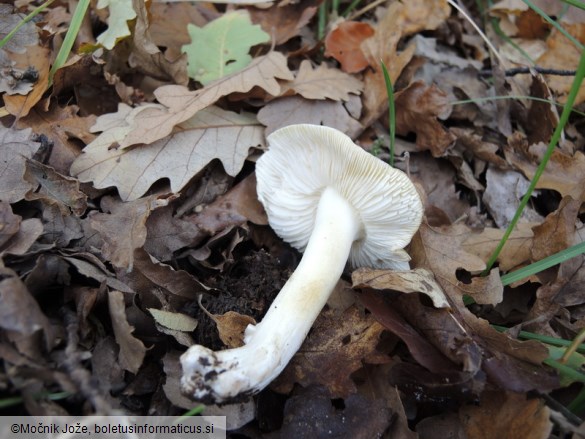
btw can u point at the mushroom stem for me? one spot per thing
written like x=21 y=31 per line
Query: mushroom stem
x=218 y=377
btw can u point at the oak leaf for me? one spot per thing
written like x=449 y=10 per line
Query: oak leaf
x=212 y=133
x=294 y=109
x=221 y=47
x=344 y=44
x=15 y=147
x=324 y=83
x=182 y=104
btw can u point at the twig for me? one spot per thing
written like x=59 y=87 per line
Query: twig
x=526 y=70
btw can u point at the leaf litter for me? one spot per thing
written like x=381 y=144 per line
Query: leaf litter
x=130 y=227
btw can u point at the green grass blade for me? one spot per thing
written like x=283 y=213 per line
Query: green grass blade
x=354 y=4
x=322 y=23
x=24 y=21
x=577 y=3
x=551 y=146
x=553 y=341
x=391 y=111
x=543 y=264
x=70 y=37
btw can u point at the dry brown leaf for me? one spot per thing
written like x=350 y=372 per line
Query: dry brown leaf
x=560 y=51
x=506 y=415
x=9 y=223
x=132 y=350
x=284 y=21
x=294 y=109
x=424 y=15
x=146 y=56
x=61 y=230
x=15 y=147
x=509 y=363
x=150 y=274
x=35 y=57
x=383 y=46
x=418 y=280
x=90 y=266
x=20 y=314
x=324 y=83
x=122 y=227
x=212 y=133
x=182 y=104
x=54 y=189
x=65 y=129
x=557 y=231
x=30 y=230
x=343 y=43
x=515 y=253
x=563 y=173
x=417 y=109
x=336 y=347
x=175 y=324
x=504 y=190
x=231 y=327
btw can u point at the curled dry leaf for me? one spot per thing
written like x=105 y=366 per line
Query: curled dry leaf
x=343 y=43
x=284 y=21
x=212 y=133
x=132 y=350
x=418 y=280
x=182 y=104
x=231 y=327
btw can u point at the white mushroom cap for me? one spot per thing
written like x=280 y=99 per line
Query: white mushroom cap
x=304 y=160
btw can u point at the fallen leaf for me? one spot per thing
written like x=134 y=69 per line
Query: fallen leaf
x=383 y=46
x=557 y=232
x=417 y=109
x=182 y=104
x=212 y=133
x=132 y=350
x=504 y=190
x=563 y=173
x=294 y=109
x=313 y=409
x=120 y=12
x=122 y=227
x=9 y=223
x=231 y=327
x=424 y=15
x=54 y=189
x=35 y=59
x=418 y=280
x=506 y=415
x=26 y=36
x=284 y=21
x=515 y=253
x=221 y=47
x=15 y=147
x=343 y=43
x=324 y=83
x=338 y=344
x=20 y=313
x=173 y=320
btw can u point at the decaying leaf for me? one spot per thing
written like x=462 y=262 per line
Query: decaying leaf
x=27 y=35
x=221 y=47
x=174 y=324
x=340 y=344
x=132 y=350
x=212 y=133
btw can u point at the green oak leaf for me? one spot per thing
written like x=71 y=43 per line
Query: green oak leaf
x=221 y=47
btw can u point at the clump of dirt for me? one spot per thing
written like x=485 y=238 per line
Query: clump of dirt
x=248 y=287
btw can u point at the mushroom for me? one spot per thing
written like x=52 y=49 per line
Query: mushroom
x=328 y=197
